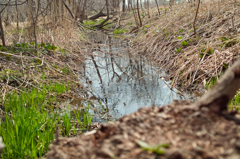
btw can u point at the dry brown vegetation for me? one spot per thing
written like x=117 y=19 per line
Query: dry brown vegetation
x=202 y=56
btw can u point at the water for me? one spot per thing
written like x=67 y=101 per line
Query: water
x=122 y=83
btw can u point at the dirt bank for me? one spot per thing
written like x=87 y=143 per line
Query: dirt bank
x=190 y=134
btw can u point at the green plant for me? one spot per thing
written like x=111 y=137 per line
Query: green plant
x=145 y=28
x=234 y=101
x=101 y=20
x=228 y=42
x=119 y=31
x=181 y=30
x=67 y=123
x=87 y=118
x=178 y=49
x=225 y=66
x=77 y=115
x=184 y=43
x=158 y=149
x=90 y=22
x=180 y=37
x=211 y=83
x=208 y=52
x=166 y=35
x=28 y=129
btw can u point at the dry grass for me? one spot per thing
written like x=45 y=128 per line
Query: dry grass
x=217 y=39
x=58 y=65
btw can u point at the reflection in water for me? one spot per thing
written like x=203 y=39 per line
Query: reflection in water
x=124 y=84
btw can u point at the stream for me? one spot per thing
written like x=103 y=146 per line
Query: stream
x=118 y=83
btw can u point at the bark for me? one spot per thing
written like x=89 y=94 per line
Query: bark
x=83 y=11
x=2 y=31
x=218 y=97
x=35 y=24
x=134 y=14
x=139 y=17
x=171 y=2
x=195 y=19
x=148 y=9
x=102 y=24
x=124 y=6
x=157 y=7
x=17 y=15
x=98 y=15
x=69 y=10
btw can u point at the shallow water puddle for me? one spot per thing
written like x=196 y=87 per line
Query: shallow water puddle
x=122 y=83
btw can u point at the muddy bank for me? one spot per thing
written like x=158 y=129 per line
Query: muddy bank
x=190 y=134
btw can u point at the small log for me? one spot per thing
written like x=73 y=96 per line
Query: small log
x=218 y=97
x=98 y=15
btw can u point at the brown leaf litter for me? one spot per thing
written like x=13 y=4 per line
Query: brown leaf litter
x=190 y=133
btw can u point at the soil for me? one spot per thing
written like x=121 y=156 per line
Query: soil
x=190 y=133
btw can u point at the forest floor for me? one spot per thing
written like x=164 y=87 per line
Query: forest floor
x=167 y=132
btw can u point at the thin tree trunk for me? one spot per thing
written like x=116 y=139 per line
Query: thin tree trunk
x=139 y=17
x=2 y=31
x=83 y=11
x=195 y=19
x=124 y=6
x=17 y=15
x=136 y=20
x=148 y=9
x=35 y=23
x=157 y=7
x=102 y=24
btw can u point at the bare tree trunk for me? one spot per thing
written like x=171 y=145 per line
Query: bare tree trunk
x=107 y=6
x=148 y=9
x=135 y=17
x=17 y=15
x=35 y=23
x=69 y=10
x=139 y=17
x=124 y=6
x=171 y=2
x=195 y=19
x=2 y=31
x=30 y=18
x=157 y=7
x=83 y=11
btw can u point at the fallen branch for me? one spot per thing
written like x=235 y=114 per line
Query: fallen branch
x=217 y=98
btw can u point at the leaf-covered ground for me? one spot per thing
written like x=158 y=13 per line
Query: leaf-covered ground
x=186 y=133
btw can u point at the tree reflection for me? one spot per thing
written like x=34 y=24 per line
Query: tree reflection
x=123 y=82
